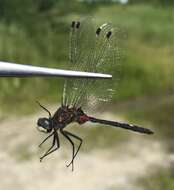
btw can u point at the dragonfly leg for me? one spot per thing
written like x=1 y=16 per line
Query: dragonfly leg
x=45 y=139
x=78 y=138
x=64 y=133
x=49 y=151
x=44 y=108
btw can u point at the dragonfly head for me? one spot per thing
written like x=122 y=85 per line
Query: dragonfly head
x=44 y=125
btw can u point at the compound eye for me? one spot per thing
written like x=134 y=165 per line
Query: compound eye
x=46 y=123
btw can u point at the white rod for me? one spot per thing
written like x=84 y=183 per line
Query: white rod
x=18 y=70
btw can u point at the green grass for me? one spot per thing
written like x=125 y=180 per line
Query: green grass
x=148 y=66
x=147 y=69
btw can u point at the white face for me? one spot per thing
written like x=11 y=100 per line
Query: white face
x=41 y=129
x=43 y=125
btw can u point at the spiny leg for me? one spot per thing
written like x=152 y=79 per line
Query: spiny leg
x=53 y=143
x=72 y=143
x=49 y=151
x=44 y=108
x=78 y=138
x=58 y=145
x=46 y=139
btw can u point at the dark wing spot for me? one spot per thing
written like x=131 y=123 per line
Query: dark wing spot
x=98 y=31
x=108 y=35
x=73 y=24
x=78 y=24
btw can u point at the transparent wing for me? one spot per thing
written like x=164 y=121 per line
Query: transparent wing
x=93 y=49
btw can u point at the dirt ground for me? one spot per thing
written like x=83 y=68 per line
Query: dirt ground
x=99 y=169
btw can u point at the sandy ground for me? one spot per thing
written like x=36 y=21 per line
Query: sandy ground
x=100 y=169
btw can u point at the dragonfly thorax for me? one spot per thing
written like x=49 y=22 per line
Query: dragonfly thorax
x=66 y=115
x=63 y=115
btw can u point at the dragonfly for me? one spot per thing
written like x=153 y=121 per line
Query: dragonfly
x=95 y=49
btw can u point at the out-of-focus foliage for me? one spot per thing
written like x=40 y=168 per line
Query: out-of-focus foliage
x=35 y=32
x=156 y=2
x=39 y=17
x=30 y=33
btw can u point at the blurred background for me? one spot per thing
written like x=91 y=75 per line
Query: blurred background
x=37 y=33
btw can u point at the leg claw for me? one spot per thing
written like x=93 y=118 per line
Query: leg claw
x=41 y=159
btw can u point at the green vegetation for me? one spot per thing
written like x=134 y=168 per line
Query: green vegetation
x=159 y=180
x=147 y=67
